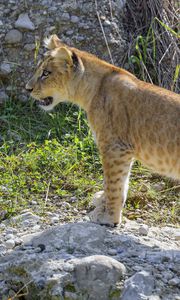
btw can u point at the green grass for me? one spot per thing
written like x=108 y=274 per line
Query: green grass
x=40 y=152
x=49 y=158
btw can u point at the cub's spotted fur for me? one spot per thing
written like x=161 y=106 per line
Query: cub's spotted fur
x=130 y=118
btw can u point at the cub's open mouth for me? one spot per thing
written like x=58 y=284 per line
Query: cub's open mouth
x=46 y=101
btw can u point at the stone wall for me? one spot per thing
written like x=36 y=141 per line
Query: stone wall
x=24 y=24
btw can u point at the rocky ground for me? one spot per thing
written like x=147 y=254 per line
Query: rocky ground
x=48 y=258
x=24 y=24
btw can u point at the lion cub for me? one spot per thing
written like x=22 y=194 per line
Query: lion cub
x=130 y=118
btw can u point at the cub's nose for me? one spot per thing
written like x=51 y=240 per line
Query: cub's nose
x=28 y=88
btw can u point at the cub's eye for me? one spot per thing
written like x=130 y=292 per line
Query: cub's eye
x=45 y=73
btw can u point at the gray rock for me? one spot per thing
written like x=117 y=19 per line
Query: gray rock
x=143 y=229
x=54 y=220
x=174 y=281
x=74 y=19
x=3 y=251
x=14 y=36
x=139 y=286
x=97 y=275
x=9 y=236
x=65 y=17
x=107 y=23
x=159 y=186
x=10 y=244
x=24 y=22
x=5 y=69
x=29 y=47
x=72 y=236
x=112 y=252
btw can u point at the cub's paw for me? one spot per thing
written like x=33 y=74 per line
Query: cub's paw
x=99 y=214
x=99 y=199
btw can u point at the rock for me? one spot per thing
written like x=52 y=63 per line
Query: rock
x=97 y=275
x=29 y=47
x=159 y=186
x=143 y=229
x=3 y=251
x=24 y=22
x=73 y=199
x=65 y=17
x=54 y=220
x=5 y=69
x=174 y=281
x=11 y=230
x=10 y=244
x=14 y=36
x=74 y=240
x=112 y=252
x=139 y=286
x=107 y=23
x=9 y=236
x=74 y=19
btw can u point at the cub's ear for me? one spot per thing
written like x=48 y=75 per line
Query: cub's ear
x=53 y=42
x=63 y=55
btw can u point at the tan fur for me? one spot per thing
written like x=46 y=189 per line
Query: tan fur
x=130 y=118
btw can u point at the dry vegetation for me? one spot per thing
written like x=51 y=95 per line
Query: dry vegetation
x=154 y=53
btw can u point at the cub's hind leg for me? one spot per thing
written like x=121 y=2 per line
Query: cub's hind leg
x=117 y=164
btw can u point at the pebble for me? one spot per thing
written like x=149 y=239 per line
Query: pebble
x=107 y=23
x=9 y=236
x=30 y=47
x=5 y=69
x=11 y=230
x=54 y=220
x=112 y=252
x=174 y=281
x=10 y=244
x=144 y=188
x=18 y=241
x=3 y=250
x=13 y=36
x=144 y=229
x=68 y=267
x=159 y=186
x=24 y=22
x=74 y=19
x=73 y=199
x=65 y=17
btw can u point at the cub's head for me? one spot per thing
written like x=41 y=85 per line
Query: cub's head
x=56 y=75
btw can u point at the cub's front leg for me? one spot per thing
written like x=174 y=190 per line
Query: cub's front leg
x=117 y=163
